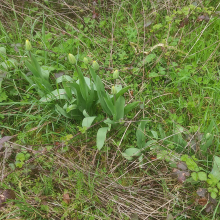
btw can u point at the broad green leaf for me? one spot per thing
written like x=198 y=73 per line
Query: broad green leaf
x=195 y=176
x=55 y=95
x=102 y=95
x=81 y=103
x=45 y=73
x=101 y=136
x=36 y=65
x=99 y=85
x=62 y=111
x=216 y=167
x=33 y=70
x=119 y=105
x=71 y=107
x=93 y=74
x=82 y=84
x=121 y=92
x=141 y=135
x=85 y=113
x=154 y=133
x=3 y=51
x=28 y=79
x=208 y=142
x=92 y=100
x=4 y=65
x=149 y=143
x=68 y=89
x=12 y=62
x=202 y=176
x=109 y=122
x=213 y=195
x=43 y=85
x=131 y=152
x=130 y=106
x=162 y=133
x=89 y=82
x=64 y=78
x=110 y=106
x=87 y=122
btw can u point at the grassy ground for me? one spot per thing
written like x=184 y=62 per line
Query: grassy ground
x=167 y=52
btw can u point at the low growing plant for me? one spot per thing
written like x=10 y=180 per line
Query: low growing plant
x=81 y=97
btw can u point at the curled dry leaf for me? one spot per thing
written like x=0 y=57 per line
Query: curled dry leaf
x=203 y=201
x=5 y=195
x=66 y=198
x=203 y=18
x=184 y=22
x=181 y=175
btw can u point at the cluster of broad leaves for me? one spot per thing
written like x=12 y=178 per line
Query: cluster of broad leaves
x=81 y=97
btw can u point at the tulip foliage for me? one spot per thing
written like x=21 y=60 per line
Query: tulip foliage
x=80 y=99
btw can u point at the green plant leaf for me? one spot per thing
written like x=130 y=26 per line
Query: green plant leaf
x=131 y=152
x=93 y=74
x=110 y=105
x=140 y=134
x=195 y=176
x=216 y=167
x=68 y=88
x=119 y=106
x=213 y=195
x=88 y=121
x=101 y=136
x=130 y=106
x=150 y=143
x=28 y=79
x=121 y=92
x=154 y=133
x=3 y=51
x=62 y=111
x=20 y=156
x=64 y=78
x=82 y=84
x=55 y=95
x=89 y=82
x=37 y=67
x=207 y=143
x=71 y=107
x=102 y=95
x=33 y=70
x=202 y=176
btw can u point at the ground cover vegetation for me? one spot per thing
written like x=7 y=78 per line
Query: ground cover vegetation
x=109 y=109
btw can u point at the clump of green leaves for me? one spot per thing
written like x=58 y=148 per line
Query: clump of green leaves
x=21 y=158
x=81 y=97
